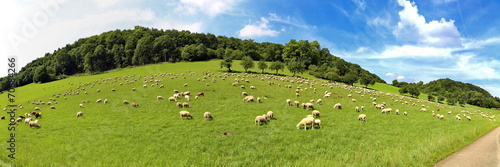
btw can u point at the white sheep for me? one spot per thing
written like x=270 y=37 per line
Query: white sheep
x=253 y=87
x=405 y=113
x=337 y=106
x=468 y=118
x=248 y=98
x=79 y=114
x=125 y=102
x=270 y=114
x=186 y=114
x=306 y=121
x=185 y=105
x=296 y=103
x=52 y=107
x=81 y=105
x=315 y=113
x=244 y=93
x=319 y=102
x=259 y=99
x=34 y=124
x=356 y=109
x=172 y=99
x=98 y=100
x=208 y=116
x=260 y=120
x=288 y=102
x=423 y=110
x=105 y=101
x=386 y=111
x=308 y=106
x=362 y=117
x=37 y=108
x=353 y=100
x=362 y=108
x=159 y=97
x=317 y=122
x=133 y=89
x=397 y=112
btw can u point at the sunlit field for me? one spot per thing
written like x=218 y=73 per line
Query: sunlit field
x=153 y=134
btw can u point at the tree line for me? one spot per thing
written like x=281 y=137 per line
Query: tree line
x=450 y=92
x=142 y=46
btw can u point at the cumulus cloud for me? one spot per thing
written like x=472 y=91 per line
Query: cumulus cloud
x=261 y=29
x=413 y=27
x=416 y=52
x=399 y=78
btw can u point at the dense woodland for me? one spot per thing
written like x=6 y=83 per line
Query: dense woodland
x=450 y=92
x=142 y=46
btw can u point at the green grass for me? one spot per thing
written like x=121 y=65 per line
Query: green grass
x=152 y=134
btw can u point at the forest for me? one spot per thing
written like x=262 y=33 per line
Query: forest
x=141 y=46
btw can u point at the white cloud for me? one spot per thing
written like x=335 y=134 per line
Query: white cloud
x=413 y=27
x=473 y=68
x=210 y=7
x=392 y=75
x=261 y=29
x=417 y=52
x=290 y=20
x=105 y=3
x=361 y=4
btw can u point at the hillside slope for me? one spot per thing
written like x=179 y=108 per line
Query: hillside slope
x=153 y=134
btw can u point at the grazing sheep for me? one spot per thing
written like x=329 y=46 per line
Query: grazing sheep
x=34 y=124
x=458 y=118
x=196 y=97
x=98 y=90
x=2 y=117
x=289 y=102
x=135 y=105
x=397 y=112
x=319 y=102
x=37 y=108
x=52 y=107
x=405 y=113
x=308 y=106
x=161 y=86
x=306 y=121
x=144 y=86
x=186 y=114
x=185 y=85
x=159 y=97
x=98 y=100
x=19 y=119
x=186 y=105
x=125 y=102
x=440 y=117
x=133 y=89
x=27 y=120
x=186 y=97
x=113 y=90
x=468 y=118
x=244 y=93
x=423 y=110
x=311 y=101
x=208 y=116
x=326 y=96
x=362 y=108
x=337 y=106
x=315 y=113
x=270 y=114
x=386 y=111
x=353 y=100
x=296 y=104
x=105 y=101
x=297 y=94
x=79 y=114
x=253 y=87
x=201 y=94
x=81 y=105
x=38 y=115
x=259 y=120
x=317 y=122
x=356 y=109
x=449 y=112
x=362 y=117
x=178 y=104
x=248 y=98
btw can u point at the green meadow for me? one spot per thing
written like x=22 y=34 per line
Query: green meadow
x=152 y=134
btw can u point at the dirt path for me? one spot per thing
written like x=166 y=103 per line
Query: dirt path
x=484 y=152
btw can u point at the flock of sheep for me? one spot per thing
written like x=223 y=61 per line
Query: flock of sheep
x=181 y=99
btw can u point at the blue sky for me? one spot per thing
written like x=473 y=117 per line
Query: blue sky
x=421 y=40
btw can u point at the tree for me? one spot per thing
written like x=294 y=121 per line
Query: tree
x=143 y=51
x=350 y=78
x=431 y=98
x=118 y=55
x=440 y=99
x=296 y=67
x=41 y=75
x=227 y=62
x=452 y=101
x=366 y=80
x=247 y=63
x=262 y=65
x=277 y=65
x=395 y=83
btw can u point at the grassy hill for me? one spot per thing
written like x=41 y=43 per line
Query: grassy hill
x=153 y=135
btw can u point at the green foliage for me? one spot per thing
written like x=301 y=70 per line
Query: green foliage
x=366 y=80
x=277 y=65
x=440 y=99
x=350 y=78
x=41 y=75
x=247 y=63
x=227 y=62
x=262 y=65
x=296 y=67
x=431 y=98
